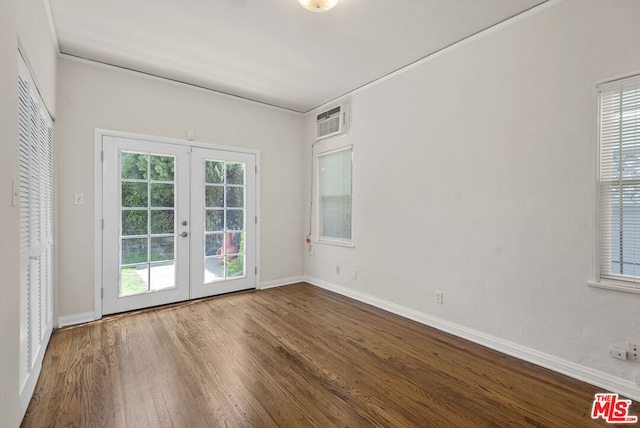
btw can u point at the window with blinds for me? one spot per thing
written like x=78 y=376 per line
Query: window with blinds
x=619 y=134
x=335 y=194
x=35 y=142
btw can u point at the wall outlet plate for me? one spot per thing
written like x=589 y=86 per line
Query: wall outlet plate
x=439 y=297
x=633 y=351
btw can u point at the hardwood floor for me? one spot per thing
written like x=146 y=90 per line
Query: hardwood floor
x=290 y=356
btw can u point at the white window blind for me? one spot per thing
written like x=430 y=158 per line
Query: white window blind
x=35 y=180
x=335 y=194
x=619 y=130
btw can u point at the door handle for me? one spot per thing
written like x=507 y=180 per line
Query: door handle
x=184 y=234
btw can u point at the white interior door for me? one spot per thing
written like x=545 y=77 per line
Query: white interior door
x=179 y=223
x=223 y=214
x=146 y=212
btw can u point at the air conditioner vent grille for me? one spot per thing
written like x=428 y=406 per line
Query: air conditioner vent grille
x=330 y=123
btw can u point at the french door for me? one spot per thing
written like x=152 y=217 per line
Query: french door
x=179 y=223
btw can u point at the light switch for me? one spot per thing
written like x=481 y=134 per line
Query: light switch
x=79 y=200
x=14 y=193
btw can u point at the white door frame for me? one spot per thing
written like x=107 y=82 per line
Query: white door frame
x=98 y=213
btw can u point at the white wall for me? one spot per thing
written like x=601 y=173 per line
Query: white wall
x=92 y=96
x=9 y=307
x=36 y=42
x=24 y=23
x=474 y=175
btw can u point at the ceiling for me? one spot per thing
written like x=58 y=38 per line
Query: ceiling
x=271 y=51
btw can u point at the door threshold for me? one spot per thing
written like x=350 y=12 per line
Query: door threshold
x=175 y=304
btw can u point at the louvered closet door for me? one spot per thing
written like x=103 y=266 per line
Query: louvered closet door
x=36 y=230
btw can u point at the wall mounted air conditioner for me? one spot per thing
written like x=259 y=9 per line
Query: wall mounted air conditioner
x=331 y=122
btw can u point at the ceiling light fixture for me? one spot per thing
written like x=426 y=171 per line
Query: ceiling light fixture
x=318 y=5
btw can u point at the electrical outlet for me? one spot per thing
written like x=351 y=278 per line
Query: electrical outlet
x=439 y=297
x=632 y=351
x=337 y=270
x=354 y=274
x=618 y=353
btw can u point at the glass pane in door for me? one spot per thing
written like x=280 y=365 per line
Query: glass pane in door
x=224 y=220
x=147 y=238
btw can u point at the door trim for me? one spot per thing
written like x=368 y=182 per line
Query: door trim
x=98 y=190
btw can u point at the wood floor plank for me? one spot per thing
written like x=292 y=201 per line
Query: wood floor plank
x=292 y=356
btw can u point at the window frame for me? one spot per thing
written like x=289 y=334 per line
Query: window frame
x=608 y=280
x=332 y=147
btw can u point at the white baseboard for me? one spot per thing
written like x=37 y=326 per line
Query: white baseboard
x=591 y=376
x=281 y=282
x=74 y=319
